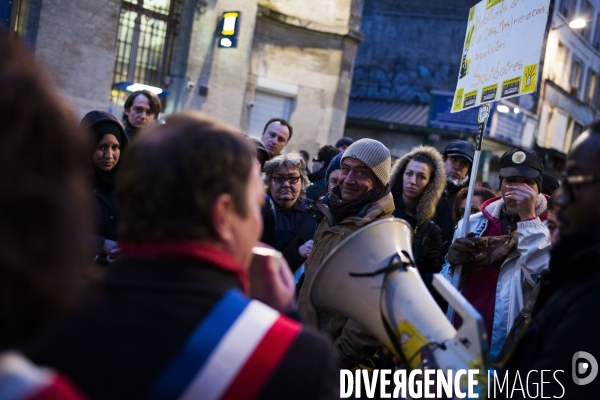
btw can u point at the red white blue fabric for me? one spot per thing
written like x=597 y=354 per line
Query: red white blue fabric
x=231 y=354
x=20 y=379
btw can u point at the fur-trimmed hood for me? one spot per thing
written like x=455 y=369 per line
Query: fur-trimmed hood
x=435 y=188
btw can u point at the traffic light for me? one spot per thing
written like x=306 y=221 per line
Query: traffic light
x=228 y=30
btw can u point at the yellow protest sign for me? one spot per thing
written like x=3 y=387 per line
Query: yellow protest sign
x=501 y=51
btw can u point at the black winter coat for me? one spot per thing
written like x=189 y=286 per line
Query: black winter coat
x=132 y=325
x=130 y=130
x=566 y=320
x=106 y=217
x=286 y=220
x=305 y=230
x=426 y=242
x=443 y=215
x=318 y=188
x=269 y=234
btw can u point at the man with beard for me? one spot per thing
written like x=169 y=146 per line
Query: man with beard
x=458 y=157
x=361 y=197
x=565 y=319
x=507 y=248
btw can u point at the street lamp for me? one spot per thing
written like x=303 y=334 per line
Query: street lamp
x=575 y=24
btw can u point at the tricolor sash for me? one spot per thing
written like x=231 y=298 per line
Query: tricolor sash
x=22 y=380
x=231 y=354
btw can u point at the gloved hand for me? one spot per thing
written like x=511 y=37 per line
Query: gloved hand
x=306 y=249
x=462 y=251
x=495 y=248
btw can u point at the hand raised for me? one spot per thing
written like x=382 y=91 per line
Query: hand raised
x=522 y=198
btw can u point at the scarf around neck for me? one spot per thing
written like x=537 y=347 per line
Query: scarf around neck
x=342 y=209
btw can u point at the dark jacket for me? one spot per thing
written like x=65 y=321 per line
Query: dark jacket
x=566 y=319
x=318 y=188
x=269 y=234
x=133 y=324
x=106 y=214
x=130 y=130
x=305 y=230
x=443 y=214
x=286 y=220
x=427 y=241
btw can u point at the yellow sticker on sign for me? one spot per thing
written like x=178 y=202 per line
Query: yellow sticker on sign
x=488 y=93
x=470 y=99
x=492 y=3
x=529 y=78
x=458 y=97
x=471 y=13
x=411 y=342
x=510 y=87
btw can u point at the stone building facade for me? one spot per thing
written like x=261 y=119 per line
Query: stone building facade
x=294 y=58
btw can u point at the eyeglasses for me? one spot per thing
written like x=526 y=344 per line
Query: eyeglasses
x=569 y=182
x=291 y=179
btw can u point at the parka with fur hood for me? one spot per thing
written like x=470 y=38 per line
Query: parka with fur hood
x=427 y=238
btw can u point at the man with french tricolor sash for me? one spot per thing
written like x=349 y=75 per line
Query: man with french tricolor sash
x=171 y=318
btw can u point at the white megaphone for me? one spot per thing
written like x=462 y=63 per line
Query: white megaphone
x=370 y=278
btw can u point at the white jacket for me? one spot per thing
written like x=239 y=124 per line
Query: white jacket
x=518 y=272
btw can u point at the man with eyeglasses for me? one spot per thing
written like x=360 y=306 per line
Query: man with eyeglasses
x=566 y=317
x=362 y=196
x=507 y=248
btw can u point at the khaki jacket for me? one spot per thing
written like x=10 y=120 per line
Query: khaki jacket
x=351 y=343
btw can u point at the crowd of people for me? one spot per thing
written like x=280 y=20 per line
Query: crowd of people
x=127 y=246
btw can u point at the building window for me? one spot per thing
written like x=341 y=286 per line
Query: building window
x=587 y=13
x=597 y=33
x=267 y=106
x=562 y=54
x=591 y=87
x=577 y=130
x=594 y=93
x=567 y=8
x=144 y=43
x=576 y=75
x=21 y=17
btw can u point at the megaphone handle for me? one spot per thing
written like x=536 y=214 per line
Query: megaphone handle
x=386 y=324
x=454 y=298
x=455 y=282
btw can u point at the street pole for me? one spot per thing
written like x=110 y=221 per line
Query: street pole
x=482 y=118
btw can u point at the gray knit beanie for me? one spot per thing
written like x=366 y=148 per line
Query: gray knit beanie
x=374 y=154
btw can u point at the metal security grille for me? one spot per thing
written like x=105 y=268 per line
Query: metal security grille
x=144 y=43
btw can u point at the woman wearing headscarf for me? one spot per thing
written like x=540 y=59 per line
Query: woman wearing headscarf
x=109 y=139
x=418 y=180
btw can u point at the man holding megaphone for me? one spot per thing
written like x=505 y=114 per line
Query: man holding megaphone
x=361 y=197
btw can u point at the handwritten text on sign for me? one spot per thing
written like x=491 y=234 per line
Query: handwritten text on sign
x=501 y=52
